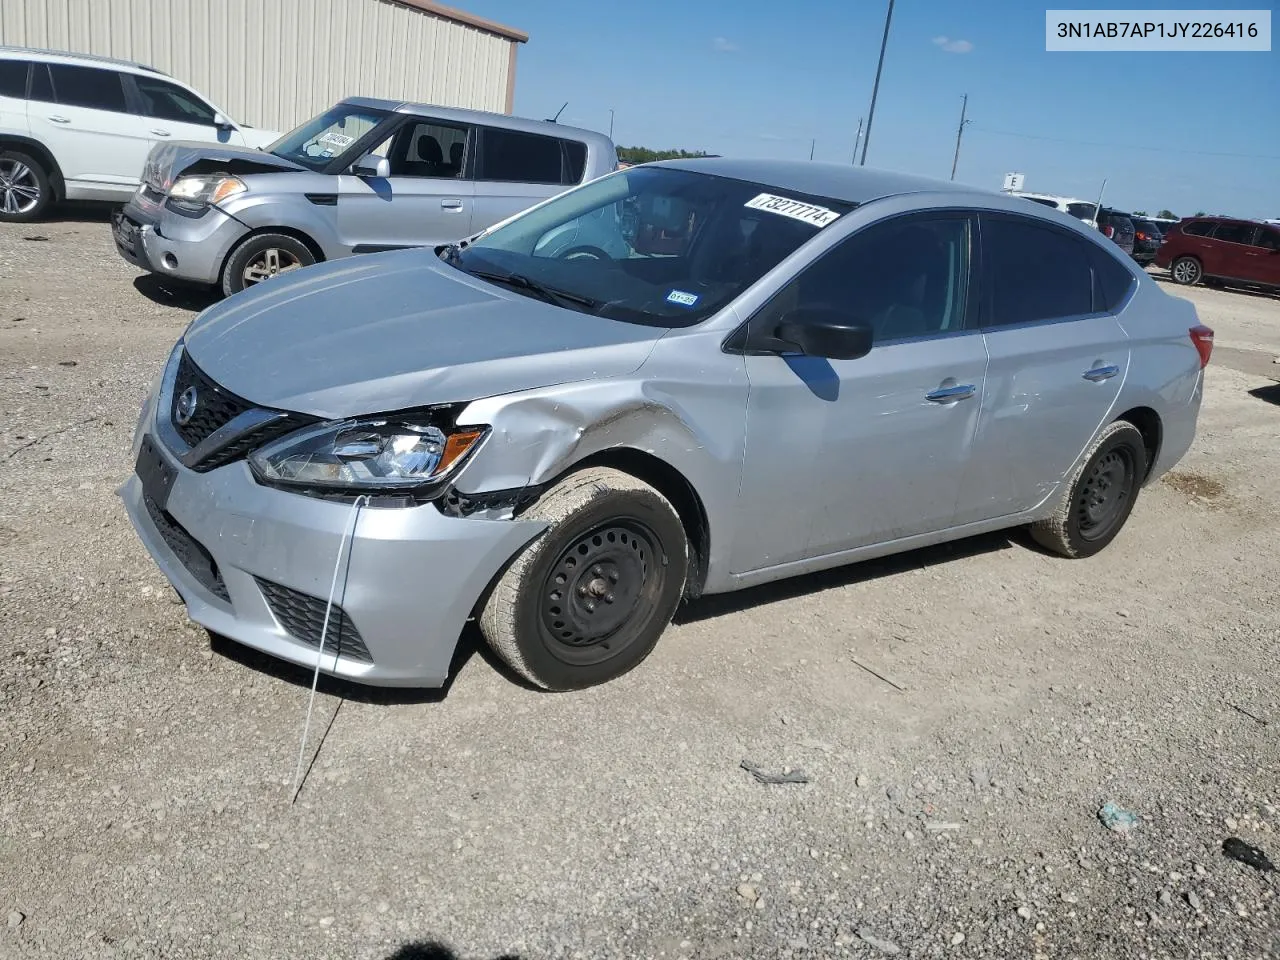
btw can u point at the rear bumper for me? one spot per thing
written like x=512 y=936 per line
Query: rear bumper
x=168 y=244
x=256 y=564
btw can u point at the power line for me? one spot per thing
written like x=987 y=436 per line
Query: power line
x=1121 y=146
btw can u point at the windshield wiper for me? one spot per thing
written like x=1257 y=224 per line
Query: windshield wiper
x=549 y=294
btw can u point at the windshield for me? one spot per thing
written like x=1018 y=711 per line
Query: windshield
x=652 y=245
x=320 y=139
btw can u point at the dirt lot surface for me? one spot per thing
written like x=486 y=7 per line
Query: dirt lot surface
x=953 y=811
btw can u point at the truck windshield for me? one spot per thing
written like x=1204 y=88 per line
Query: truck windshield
x=320 y=139
x=655 y=245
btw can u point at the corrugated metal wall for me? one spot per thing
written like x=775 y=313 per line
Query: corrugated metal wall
x=274 y=63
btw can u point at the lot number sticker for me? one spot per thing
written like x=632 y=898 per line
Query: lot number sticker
x=682 y=298
x=804 y=212
x=337 y=139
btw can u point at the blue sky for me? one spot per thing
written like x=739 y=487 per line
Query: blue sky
x=756 y=78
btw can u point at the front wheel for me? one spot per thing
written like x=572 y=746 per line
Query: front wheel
x=261 y=257
x=25 y=190
x=1100 y=497
x=587 y=601
x=1186 y=270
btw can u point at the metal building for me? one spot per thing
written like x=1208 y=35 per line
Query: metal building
x=274 y=63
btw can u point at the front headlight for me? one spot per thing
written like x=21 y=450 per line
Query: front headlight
x=366 y=455
x=201 y=190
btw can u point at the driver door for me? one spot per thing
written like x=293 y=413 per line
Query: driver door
x=842 y=454
x=427 y=198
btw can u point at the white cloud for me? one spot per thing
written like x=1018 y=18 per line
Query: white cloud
x=723 y=45
x=953 y=46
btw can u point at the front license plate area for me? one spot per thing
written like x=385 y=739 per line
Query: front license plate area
x=156 y=475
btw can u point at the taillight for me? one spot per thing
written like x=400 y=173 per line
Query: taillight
x=1140 y=235
x=1202 y=337
x=1108 y=232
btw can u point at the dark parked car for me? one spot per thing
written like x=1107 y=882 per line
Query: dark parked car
x=1147 y=238
x=1223 y=251
x=1118 y=226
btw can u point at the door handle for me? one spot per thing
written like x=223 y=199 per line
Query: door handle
x=961 y=391
x=57 y=119
x=451 y=204
x=1098 y=374
x=160 y=133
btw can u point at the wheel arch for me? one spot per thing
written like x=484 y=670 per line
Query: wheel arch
x=300 y=235
x=41 y=153
x=1151 y=427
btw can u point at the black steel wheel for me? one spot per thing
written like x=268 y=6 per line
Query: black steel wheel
x=1101 y=495
x=587 y=601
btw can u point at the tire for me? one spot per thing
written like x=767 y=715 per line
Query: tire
x=1100 y=497
x=25 y=190
x=265 y=255
x=628 y=547
x=1186 y=270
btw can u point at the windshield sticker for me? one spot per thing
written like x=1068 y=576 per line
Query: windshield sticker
x=340 y=140
x=804 y=212
x=681 y=298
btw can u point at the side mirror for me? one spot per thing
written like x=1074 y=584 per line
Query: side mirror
x=372 y=165
x=832 y=334
x=222 y=123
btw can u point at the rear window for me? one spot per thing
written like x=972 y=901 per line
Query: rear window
x=13 y=78
x=575 y=153
x=1234 y=232
x=88 y=87
x=1081 y=211
x=1034 y=272
x=1199 y=228
x=526 y=158
x=1111 y=280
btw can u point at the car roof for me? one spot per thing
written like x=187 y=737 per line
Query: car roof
x=86 y=59
x=836 y=181
x=486 y=118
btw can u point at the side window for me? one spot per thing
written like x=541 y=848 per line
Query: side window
x=1268 y=239
x=1112 y=282
x=519 y=157
x=1200 y=228
x=427 y=148
x=13 y=79
x=168 y=101
x=41 y=83
x=575 y=153
x=904 y=278
x=88 y=87
x=1034 y=272
x=1234 y=232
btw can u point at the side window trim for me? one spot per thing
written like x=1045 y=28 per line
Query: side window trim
x=740 y=339
x=25 y=92
x=986 y=304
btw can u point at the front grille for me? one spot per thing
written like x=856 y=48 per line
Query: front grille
x=240 y=447
x=194 y=557
x=214 y=405
x=302 y=616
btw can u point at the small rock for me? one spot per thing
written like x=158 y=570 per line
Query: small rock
x=908 y=835
x=957 y=938
x=1165 y=898
x=1024 y=913
x=747 y=892
x=887 y=947
x=67 y=363
x=326 y=921
x=383 y=906
x=860 y=780
x=1193 y=899
x=16 y=919
x=1122 y=613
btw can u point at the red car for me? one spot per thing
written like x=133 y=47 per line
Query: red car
x=1222 y=251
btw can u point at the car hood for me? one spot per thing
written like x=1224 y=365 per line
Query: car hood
x=167 y=161
x=384 y=332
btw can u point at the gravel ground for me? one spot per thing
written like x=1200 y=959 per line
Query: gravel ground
x=144 y=796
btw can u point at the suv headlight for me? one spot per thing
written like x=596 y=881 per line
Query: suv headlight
x=200 y=190
x=368 y=455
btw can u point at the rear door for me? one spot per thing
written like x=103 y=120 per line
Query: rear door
x=172 y=112
x=515 y=170
x=13 y=95
x=427 y=198
x=82 y=114
x=1266 y=255
x=1057 y=357
x=1234 y=253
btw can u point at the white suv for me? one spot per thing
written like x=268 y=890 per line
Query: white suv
x=76 y=127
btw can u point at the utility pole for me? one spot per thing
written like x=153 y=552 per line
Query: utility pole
x=875 y=90
x=857 y=140
x=610 y=124
x=964 y=105
x=812 y=143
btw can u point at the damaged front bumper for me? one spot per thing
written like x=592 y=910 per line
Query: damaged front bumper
x=157 y=240
x=255 y=564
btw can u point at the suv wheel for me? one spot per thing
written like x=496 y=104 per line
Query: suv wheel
x=261 y=257
x=1186 y=270
x=24 y=187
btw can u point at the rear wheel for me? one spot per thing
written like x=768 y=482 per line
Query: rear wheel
x=1186 y=270
x=261 y=257
x=1101 y=495
x=587 y=601
x=25 y=190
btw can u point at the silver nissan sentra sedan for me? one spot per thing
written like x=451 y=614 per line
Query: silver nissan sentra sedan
x=679 y=379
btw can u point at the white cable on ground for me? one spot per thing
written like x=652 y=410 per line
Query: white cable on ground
x=348 y=533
